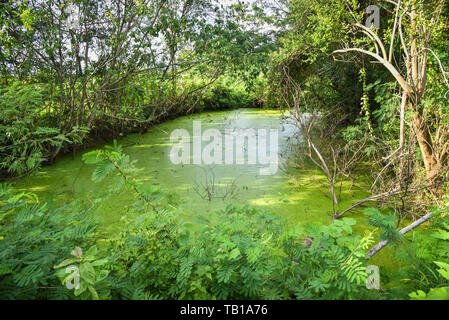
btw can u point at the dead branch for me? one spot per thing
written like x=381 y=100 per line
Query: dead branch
x=403 y=231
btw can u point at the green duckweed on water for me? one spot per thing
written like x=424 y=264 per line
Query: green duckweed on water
x=301 y=200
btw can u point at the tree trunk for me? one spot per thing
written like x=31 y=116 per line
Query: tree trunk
x=402 y=137
x=425 y=143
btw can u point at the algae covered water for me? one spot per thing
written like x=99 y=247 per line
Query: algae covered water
x=200 y=189
x=303 y=199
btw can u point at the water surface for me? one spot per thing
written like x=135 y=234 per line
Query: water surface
x=301 y=199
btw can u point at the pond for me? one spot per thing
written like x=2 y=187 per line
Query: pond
x=299 y=199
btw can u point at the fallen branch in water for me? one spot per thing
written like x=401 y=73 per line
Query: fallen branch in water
x=374 y=198
x=404 y=231
x=389 y=194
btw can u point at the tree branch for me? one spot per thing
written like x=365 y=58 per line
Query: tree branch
x=404 y=231
x=387 y=65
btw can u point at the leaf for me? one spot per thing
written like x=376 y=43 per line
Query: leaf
x=441 y=234
x=253 y=254
x=81 y=289
x=444 y=271
x=102 y=275
x=66 y=263
x=438 y=294
x=371 y=211
x=77 y=252
x=99 y=262
x=5 y=269
x=349 y=221
x=234 y=254
x=92 y=251
x=87 y=272
x=103 y=169
x=93 y=292
x=92 y=157
x=418 y=295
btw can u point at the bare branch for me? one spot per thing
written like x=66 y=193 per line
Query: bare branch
x=387 y=65
x=403 y=231
x=390 y=56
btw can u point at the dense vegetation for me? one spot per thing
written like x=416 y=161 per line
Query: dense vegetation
x=75 y=74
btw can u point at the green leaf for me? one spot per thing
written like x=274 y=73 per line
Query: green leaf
x=5 y=269
x=418 y=295
x=92 y=251
x=99 y=262
x=444 y=271
x=81 y=289
x=234 y=253
x=438 y=294
x=103 y=169
x=87 y=272
x=102 y=275
x=66 y=263
x=92 y=157
x=93 y=292
x=441 y=234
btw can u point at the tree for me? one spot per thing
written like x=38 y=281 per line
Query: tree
x=415 y=24
x=117 y=67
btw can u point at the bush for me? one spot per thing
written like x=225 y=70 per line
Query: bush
x=27 y=138
x=238 y=253
x=425 y=258
x=33 y=239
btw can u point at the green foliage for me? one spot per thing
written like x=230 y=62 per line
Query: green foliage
x=422 y=252
x=238 y=253
x=111 y=161
x=89 y=269
x=227 y=93
x=191 y=57
x=33 y=238
x=129 y=74
x=386 y=223
x=441 y=293
x=25 y=141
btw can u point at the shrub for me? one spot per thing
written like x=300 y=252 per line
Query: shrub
x=33 y=239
